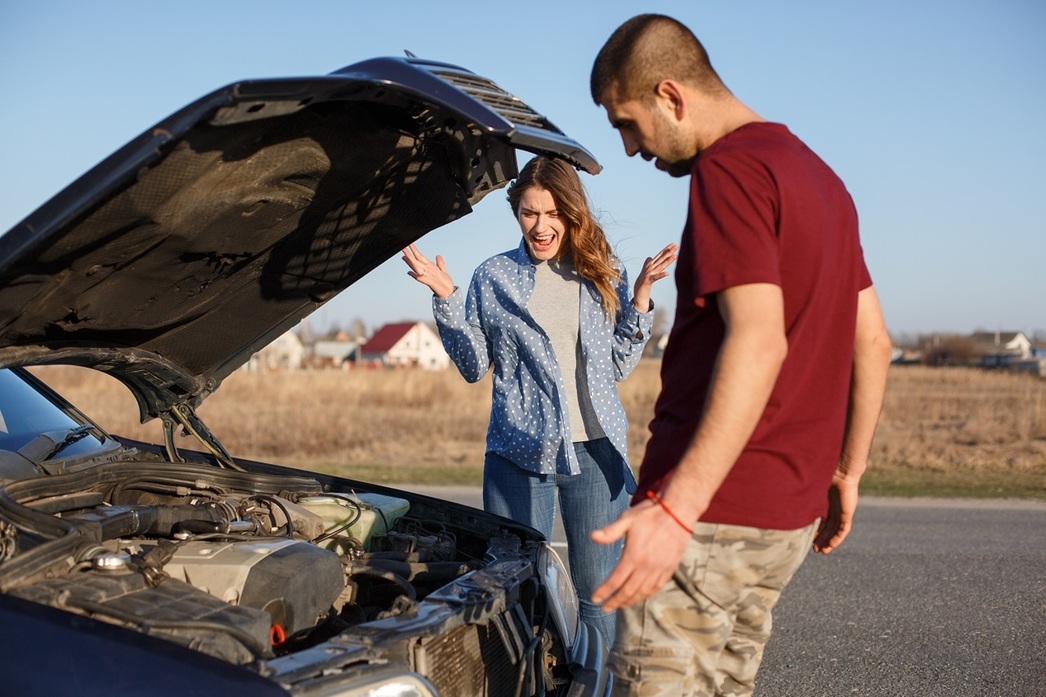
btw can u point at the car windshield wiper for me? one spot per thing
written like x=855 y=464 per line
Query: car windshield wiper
x=47 y=445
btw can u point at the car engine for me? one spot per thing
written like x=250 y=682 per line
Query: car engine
x=241 y=566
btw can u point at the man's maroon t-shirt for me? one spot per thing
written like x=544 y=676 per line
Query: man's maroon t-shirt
x=765 y=209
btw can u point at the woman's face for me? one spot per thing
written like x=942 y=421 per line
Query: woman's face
x=542 y=227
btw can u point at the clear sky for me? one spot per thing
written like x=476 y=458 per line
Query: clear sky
x=932 y=111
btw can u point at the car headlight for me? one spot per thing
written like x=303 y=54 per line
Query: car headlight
x=560 y=593
x=383 y=684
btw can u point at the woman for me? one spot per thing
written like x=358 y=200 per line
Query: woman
x=554 y=319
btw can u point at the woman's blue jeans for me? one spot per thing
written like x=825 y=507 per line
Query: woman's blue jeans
x=587 y=501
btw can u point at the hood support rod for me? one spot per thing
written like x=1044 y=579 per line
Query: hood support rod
x=185 y=416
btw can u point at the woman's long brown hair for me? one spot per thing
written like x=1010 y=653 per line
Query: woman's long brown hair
x=589 y=249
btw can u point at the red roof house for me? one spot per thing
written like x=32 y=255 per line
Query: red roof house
x=405 y=345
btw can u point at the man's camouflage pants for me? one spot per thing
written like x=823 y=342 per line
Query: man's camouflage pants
x=704 y=632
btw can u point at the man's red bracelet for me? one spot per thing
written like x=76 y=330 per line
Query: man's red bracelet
x=653 y=495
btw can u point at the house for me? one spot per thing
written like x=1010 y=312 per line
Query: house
x=286 y=352
x=998 y=348
x=906 y=356
x=334 y=353
x=405 y=344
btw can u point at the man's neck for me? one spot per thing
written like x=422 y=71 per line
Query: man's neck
x=726 y=116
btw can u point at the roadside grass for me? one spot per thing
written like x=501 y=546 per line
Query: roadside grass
x=403 y=473
x=943 y=432
x=911 y=482
x=894 y=481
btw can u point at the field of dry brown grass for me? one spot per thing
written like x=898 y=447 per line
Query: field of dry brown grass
x=947 y=432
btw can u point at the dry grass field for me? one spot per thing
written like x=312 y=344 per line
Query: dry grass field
x=944 y=432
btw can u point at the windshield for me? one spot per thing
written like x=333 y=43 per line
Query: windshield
x=25 y=413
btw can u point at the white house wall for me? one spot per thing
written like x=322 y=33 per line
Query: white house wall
x=420 y=347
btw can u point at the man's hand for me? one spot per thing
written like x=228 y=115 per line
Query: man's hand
x=842 y=504
x=654 y=546
x=871 y=358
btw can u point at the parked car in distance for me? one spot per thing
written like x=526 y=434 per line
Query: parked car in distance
x=179 y=568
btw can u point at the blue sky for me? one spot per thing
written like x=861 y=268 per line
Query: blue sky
x=932 y=112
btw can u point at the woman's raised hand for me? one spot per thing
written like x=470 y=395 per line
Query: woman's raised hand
x=654 y=269
x=433 y=275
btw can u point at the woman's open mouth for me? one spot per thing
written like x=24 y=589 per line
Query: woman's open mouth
x=542 y=243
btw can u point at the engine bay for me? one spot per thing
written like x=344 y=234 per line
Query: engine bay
x=243 y=566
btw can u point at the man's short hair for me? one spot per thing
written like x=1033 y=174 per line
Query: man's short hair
x=644 y=51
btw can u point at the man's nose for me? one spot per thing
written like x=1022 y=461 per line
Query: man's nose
x=630 y=143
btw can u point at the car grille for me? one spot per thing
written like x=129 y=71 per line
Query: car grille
x=470 y=661
x=505 y=104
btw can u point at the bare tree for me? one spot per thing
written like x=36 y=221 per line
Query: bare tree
x=947 y=349
x=660 y=322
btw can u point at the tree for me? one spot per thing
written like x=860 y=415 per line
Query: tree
x=947 y=349
x=660 y=322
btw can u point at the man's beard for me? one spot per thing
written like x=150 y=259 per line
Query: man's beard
x=678 y=157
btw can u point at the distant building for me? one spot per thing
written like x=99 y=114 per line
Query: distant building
x=405 y=345
x=999 y=349
x=286 y=352
x=335 y=353
x=906 y=356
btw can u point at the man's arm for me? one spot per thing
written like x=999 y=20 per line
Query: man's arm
x=754 y=348
x=871 y=363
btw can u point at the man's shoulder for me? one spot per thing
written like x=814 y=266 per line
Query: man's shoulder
x=762 y=148
x=750 y=152
x=753 y=139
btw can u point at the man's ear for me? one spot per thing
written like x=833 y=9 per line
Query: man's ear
x=670 y=96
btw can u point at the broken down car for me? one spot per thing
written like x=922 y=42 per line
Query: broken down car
x=178 y=568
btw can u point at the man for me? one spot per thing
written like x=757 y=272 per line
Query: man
x=772 y=380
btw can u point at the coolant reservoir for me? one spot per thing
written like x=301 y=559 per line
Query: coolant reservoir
x=351 y=516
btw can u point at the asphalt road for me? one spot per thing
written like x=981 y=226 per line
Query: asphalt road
x=927 y=598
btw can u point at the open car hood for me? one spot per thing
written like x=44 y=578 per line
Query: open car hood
x=220 y=228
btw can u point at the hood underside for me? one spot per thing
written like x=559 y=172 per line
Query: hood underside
x=219 y=229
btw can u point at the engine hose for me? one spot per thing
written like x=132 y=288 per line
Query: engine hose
x=386 y=575
x=68 y=502
x=15 y=496
x=358 y=513
x=421 y=571
x=288 y=526
x=24 y=518
x=169 y=518
x=164 y=486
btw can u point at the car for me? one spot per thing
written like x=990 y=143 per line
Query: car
x=129 y=567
